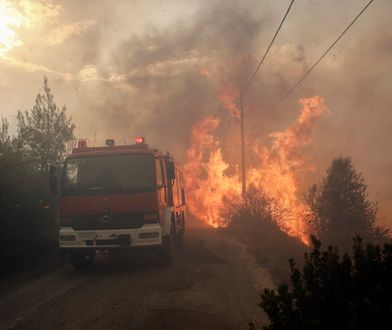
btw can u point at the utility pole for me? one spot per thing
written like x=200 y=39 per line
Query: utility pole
x=243 y=169
x=242 y=99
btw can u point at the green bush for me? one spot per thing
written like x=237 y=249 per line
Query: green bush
x=26 y=214
x=335 y=291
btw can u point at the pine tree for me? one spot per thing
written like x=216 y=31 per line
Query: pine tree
x=44 y=131
x=340 y=206
x=4 y=135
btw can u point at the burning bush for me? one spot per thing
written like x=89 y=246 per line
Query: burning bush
x=276 y=171
x=255 y=220
x=335 y=291
x=257 y=206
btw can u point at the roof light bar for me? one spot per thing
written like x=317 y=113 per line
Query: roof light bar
x=109 y=142
x=139 y=140
x=82 y=143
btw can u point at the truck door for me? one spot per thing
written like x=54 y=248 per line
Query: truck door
x=160 y=182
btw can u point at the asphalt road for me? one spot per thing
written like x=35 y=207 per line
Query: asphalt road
x=213 y=284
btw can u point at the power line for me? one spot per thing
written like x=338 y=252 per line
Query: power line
x=243 y=174
x=321 y=57
x=268 y=49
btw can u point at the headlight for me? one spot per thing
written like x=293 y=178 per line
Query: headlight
x=67 y=238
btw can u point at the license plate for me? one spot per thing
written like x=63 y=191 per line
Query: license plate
x=87 y=235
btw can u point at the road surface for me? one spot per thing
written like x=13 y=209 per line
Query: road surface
x=213 y=284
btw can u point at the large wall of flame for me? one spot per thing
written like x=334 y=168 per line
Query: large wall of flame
x=277 y=170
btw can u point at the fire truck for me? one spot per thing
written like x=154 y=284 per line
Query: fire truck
x=116 y=197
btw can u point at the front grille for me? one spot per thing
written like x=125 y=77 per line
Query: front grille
x=122 y=240
x=117 y=221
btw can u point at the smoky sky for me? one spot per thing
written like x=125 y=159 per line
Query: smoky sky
x=163 y=69
x=156 y=68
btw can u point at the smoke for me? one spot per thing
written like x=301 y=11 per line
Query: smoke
x=139 y=67
x=169 y=78
x=162 y=82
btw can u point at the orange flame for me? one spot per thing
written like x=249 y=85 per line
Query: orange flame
x=228 y=95
x=283 y=166
x=205 y=173
x=278 y=172
x=229 y=92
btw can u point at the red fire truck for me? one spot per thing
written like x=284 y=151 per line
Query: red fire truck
x=114 y=197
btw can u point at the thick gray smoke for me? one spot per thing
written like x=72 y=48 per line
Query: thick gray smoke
x=169 y=78
x=155 y=69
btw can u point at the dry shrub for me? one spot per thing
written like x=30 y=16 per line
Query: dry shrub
x=254 y=220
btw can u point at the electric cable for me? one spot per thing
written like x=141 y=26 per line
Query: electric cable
x=268 y=49
x=321 y=57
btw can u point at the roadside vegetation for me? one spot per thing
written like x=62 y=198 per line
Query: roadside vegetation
x=346 y=286
x=334 y=290
x=255 y=222
x=28 y=232
x=339 y=210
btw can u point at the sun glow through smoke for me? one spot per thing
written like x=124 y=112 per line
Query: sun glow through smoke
x=10 y=19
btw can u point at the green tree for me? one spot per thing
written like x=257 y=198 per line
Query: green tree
x=334 y=291
x=5 y=138
x=44 y=131
x=340 y=206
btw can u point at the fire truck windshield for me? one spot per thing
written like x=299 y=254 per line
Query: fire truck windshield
x=108 y=174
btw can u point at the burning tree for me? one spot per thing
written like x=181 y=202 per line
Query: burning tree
x=340 y=206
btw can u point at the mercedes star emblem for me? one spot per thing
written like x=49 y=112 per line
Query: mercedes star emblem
x=105 y=216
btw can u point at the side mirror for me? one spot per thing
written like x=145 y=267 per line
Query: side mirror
x=183 y=196
x=171 y=172
x=53 y=180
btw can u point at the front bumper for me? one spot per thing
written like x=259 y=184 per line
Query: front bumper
x=148 y=235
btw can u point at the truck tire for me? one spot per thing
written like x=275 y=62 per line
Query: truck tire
x=180 y=238
x=180 y=235
x=166 y=252
x=81 y=259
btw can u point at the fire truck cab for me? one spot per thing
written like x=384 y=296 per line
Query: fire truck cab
x=115 y=197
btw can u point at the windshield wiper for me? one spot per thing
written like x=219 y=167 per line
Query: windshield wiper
x=96 y=188
x=123 y=187
x=120 y=186
x=110 y=186
x=128 y=187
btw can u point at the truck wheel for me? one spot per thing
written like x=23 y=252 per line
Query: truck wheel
x=180 y=235
x=180 y=238
x=82 y=259
x=166 y=253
